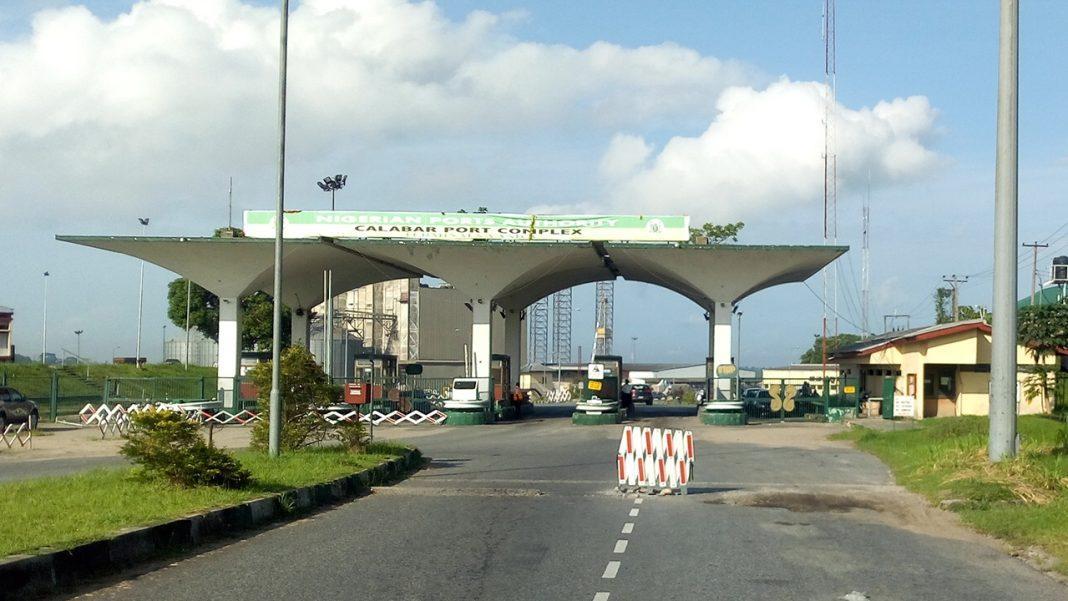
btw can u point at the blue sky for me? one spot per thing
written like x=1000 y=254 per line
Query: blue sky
x=932 y=220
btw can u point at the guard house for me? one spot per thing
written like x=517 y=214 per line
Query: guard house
x=7 y=345
x=945 y=367
x=501 y=263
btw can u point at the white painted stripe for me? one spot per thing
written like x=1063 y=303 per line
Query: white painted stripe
x=628 y=527
x=638 y=501
x=621 y=546
x=634 y=512
x=611 y=569
x=600 y=597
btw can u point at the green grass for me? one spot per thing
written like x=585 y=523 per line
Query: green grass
x=65 y=511
x=1024 y=501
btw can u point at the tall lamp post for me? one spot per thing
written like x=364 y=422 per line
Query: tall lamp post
x=44 y=323
x=738 y=353
x=78 y=345
x=140 y=298
x=332 y=185
x=274 y=431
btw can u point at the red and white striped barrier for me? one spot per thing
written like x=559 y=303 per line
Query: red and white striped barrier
x=655 y=458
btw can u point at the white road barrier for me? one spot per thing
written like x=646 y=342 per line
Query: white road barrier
x=655 y=458
x=21 y=434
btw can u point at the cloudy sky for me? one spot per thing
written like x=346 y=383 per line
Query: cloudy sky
x=112 y=110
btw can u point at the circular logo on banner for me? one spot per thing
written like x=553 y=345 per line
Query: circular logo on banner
x=726 y=370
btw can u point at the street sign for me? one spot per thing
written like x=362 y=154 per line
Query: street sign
x=595 y=371
x=904 y=406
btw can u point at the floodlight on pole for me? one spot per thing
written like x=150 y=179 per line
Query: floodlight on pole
x=274 y=434
x=78 y=345
x=332 y=184
x=140 y=297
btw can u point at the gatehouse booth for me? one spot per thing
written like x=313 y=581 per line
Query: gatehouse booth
x=502 y=263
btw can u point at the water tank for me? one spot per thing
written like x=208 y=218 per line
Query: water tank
x=1060 y=270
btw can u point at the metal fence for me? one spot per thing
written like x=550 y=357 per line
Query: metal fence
x=61 y=393
x=781 y=399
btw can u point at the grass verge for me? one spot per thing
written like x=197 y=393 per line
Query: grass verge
x=65 y=511
x=1023 y=501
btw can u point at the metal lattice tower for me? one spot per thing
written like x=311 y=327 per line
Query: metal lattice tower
x=562 y=326
x=538 y=336
x=606 y=293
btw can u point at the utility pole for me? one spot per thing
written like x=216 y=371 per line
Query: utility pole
x=78 y=344
x=44 y=323
x=1002 y=442
x=954 y=281
x=889 y=318
x=274 y=432
x=1034 y=246
x=140 y=298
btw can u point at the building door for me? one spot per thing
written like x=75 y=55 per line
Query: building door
x=888 y=397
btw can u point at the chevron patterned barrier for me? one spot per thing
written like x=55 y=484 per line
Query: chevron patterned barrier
x=115 y=419
x=655 y=459
x=21 y=435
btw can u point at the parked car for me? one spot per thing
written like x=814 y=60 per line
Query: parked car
x=642 y=393
x=757 y=402
x=16 y=408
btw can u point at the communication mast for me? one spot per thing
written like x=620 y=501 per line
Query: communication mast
x=830 y=169
x=562 y=326
x=865 y=264
x=538 y=336
x=602 y=340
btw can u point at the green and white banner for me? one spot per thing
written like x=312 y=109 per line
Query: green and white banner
x=471 y=226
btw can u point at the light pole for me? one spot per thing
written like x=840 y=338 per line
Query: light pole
x=188 y=296
x=274 y=431
x=140 y=298
x=164 y=360
x=44 y=323
x=333 y=184
x=114 y=350
x=78 y=345
x=633 y=348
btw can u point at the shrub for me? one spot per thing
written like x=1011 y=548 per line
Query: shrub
x=303 y=387
x=166 y=444
x=353 y=436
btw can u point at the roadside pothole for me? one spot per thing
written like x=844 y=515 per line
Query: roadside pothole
x=799 y=502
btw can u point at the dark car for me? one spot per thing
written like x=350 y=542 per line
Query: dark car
x=16 y=409
x=757 y=402
x=642 y=393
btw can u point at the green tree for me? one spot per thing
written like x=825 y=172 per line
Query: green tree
x=815 y=354
x=303 y=389
x=1042 y=330
x=717 y=234
x=943 y=305
x=256 y=323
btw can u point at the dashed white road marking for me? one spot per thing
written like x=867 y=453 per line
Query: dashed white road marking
x=638 y=501
x=600 y=597
x=611 y=569
x=621 y=546
x=634 y=512
x=628 y=527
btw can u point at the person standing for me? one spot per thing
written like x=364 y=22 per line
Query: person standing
x=626 y=398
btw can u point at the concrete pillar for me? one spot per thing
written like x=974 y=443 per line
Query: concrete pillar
x=719 y=346
x=513 y=343
x=229 y=349
x=481 y=343
x=299 y=328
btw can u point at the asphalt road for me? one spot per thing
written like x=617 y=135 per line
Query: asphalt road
x=529 y=511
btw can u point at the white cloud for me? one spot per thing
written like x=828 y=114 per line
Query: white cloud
x=162 y=95
x=764 y=152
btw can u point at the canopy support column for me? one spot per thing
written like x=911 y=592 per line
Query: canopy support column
x=513 y=346
x=229 y=350
x=481 y=342
x=299 y=328
x=719 y=348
